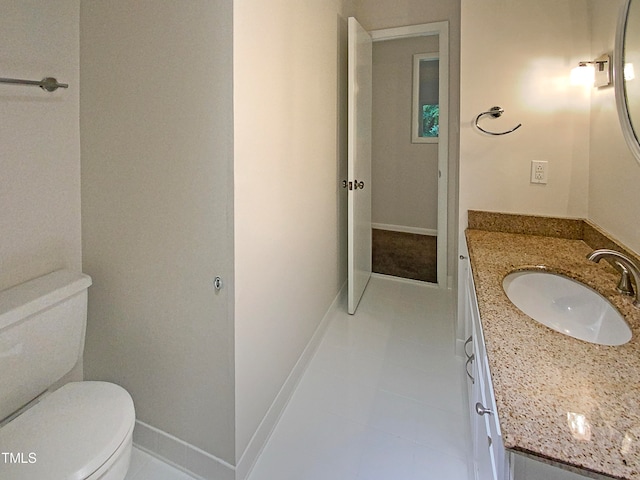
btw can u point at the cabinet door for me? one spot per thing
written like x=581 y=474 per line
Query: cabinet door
x=498 y=453
x=485 y=466
x=465 y=324
x=463 y=329
x=488 y=450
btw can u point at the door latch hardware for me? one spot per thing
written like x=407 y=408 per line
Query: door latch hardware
x=217 y=283
x=355 y=185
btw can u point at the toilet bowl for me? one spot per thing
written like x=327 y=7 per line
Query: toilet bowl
x=82 y=430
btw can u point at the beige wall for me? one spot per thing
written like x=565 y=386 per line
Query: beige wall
x=39 y=141
x=614 y=173
x=157 y=198
x=404 y=175
x=377 y=14
x=523 y=65
x=289 y=207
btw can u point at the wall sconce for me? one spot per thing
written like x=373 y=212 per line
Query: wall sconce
x=596 y=73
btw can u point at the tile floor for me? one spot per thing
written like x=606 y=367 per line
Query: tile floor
x=382 y=398
x=145 y=467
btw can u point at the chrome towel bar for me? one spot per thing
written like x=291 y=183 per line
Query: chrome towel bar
x=49 y=84
x=494 y=112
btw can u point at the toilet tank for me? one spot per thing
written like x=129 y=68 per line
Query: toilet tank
x=42 y=326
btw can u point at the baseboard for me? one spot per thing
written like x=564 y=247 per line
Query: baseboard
x=262 y=434
x=180 y=454
x=404 y=229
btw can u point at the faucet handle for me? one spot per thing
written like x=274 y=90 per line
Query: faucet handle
x=624 y=285
x=628 y=267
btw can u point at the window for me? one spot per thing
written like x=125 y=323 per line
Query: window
x=426 y=108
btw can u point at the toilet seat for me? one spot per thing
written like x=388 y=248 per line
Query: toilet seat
x=73 y=432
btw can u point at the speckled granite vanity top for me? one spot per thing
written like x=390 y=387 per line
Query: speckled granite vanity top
x=558 y=398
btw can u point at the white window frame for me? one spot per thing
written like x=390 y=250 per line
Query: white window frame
x=416 y=113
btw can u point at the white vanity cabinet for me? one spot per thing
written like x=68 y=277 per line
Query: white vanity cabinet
x=490 y=461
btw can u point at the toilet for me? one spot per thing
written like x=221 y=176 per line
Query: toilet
x=80 y=431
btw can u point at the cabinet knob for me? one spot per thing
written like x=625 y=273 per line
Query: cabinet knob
x=480 y=410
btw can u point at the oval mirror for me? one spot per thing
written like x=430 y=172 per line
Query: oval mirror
x=627 y=85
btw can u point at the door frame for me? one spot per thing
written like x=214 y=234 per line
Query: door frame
x=442 y=30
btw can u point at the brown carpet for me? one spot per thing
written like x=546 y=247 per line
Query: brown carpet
x=405 y=255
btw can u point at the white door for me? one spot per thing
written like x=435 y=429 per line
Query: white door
x=359 y=161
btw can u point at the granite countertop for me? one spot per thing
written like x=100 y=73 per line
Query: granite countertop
x=543 y=380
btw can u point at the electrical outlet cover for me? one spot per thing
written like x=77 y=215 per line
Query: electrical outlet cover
x=539 y=171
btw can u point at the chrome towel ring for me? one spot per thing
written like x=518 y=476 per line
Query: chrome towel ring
x=494 y=112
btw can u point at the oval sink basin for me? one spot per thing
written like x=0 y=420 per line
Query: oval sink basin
x=567 y=306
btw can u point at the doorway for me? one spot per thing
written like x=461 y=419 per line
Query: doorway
x=409 y=152
x=418 y=131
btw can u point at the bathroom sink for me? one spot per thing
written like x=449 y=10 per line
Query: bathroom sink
x=567 y=306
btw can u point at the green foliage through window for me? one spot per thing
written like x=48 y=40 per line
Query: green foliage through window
x=430 y=120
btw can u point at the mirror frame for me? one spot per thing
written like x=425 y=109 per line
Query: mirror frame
x=618 y=80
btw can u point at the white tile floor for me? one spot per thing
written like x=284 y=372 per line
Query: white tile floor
x=382 y=398
x=145 y=467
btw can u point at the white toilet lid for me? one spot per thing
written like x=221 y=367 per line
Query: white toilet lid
x=69 y=434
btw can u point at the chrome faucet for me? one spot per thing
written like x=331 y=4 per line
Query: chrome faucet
x=627 y=266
